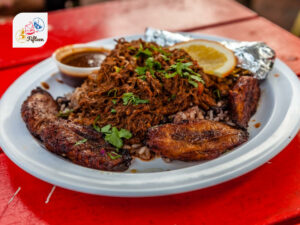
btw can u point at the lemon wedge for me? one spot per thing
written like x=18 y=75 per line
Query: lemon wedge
x=213 y=57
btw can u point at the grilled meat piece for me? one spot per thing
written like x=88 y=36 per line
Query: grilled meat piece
x=244 y=100
x=194 y=141
x=80 y=144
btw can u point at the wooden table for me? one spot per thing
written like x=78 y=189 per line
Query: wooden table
x=267 y=195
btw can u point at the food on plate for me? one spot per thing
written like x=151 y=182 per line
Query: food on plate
x=213 y=57
x=145 y=101
x=138 y=86
x=200 y=140
x=80 y=144
x=77 y=62
x=243 y=99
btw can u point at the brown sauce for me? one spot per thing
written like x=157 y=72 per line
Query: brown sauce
x=257 y=125
x=133 y=171
x=86 y=58
x=45 y=85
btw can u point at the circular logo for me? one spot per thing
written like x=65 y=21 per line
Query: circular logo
x=38 y=24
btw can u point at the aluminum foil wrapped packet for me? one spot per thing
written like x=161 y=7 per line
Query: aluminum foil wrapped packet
x=257 y=57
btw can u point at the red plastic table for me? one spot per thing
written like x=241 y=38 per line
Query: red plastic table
x=270 y=194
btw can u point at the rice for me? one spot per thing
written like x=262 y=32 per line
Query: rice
x=191 y=114
x=195 y=114
x=140 y=151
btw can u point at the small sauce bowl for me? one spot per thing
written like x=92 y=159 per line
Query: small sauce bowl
x=77 y=62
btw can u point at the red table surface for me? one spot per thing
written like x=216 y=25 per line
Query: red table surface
x=267 y=195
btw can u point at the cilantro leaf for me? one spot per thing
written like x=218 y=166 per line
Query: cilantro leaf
x=143 y=52
x=186 y=65
x=131 y=48
x=114 y=101
x=165 y=58
x=127 y=98
x=80 y=142
x=113 y=110
x=142 y=77
x=172 y=97
x=95 y=126
x=123 y=133
x=113 y=138
x=141 y=101
x=113 y=155
x=149 y=62
x=195 y=84
x=150 y=65
x=130 y=98
x=196 y=78
x=140 y=70
x=106 y=129
x=217 y=93
x=160 y=50
x=170 y=75
x=184 y=70
x=114 y=91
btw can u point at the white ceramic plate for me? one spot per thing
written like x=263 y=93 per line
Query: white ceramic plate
x=278 y=113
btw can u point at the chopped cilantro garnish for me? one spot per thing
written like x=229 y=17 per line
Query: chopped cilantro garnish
x=114 y=101
x=172 y=97
x=154 y=48
x=160 y=50
x=197 y=78
x=105 y=129
x=114 y=91
x=170 y=75
x=113 y=155
x=130 y=98
x=143 y=52
x=150 y=65
x=80 y=142
x=195 y=84
x=123 y=133
x=165 y=58
x=217 y=93
x=141 y=101
x=114 y=136
x=113 y=110
x=184 y=70
x=95 y=126
x=131 y=48
x=140 y=70
x=143 y=77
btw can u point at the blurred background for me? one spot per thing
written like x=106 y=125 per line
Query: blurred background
x=285 y=13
